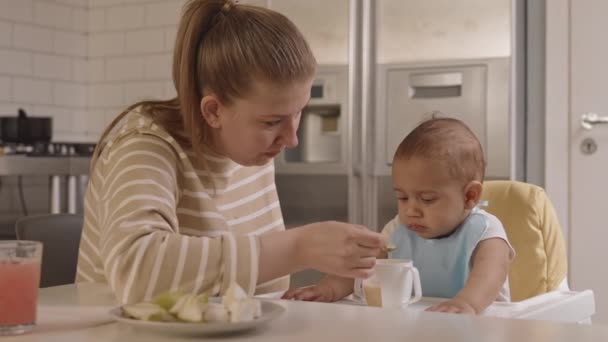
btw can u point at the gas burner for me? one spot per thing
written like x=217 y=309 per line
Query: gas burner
x=54 y=149
x=62 y=149
x=15 y=148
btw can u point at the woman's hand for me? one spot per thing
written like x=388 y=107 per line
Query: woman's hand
x=455 y=305
x=315 y=293
x=339 y=248
x=330 y=289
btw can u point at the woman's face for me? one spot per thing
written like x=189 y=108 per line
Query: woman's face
x=254 y=129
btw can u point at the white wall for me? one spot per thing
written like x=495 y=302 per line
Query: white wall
x=43 y=48
x=557 y=102
x=129 y=54
x=80 y=62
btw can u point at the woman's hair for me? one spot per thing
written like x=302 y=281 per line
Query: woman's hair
x=223 y=48
x=449 y=141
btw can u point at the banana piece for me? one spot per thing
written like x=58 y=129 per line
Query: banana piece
x=235 y=306
x=145 y=312
x=167 y=300
x=216 y=312
x=188 y=309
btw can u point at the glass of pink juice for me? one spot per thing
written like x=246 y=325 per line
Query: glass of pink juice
x=19 y=280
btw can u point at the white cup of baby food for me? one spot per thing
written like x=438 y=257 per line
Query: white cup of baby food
x=391 y=284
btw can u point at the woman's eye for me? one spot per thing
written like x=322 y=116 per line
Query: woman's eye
x=272 y=123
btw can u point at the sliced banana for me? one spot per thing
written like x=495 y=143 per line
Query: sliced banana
x=145 y=311
x=234 y=293
x=167 y=300
x=216 y=312
x=188 y=309
x=235 y=306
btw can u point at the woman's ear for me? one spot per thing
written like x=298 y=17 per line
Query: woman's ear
x=472 y=194
x=210 y=110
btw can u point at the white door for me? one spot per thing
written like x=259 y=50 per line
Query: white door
x=589 y=171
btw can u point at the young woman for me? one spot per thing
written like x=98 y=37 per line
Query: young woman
x=182 y=194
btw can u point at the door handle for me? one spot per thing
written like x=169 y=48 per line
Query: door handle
x=590 y=119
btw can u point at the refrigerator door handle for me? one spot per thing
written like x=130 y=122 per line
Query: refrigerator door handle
x=355 y=173
x=368 y=92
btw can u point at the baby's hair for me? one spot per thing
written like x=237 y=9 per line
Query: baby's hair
x=446 y=140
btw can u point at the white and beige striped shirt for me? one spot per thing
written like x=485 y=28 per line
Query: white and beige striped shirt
x=153 y=222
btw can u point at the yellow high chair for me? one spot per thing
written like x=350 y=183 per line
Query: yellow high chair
x=533 y=230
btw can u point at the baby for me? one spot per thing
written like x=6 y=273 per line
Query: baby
x=461 y=251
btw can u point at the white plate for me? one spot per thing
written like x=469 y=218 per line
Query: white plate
x=270 y=311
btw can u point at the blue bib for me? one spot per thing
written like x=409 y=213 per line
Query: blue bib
x=444 y=264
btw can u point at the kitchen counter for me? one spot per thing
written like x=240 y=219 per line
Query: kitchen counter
x=56 y=167
x=22 y=165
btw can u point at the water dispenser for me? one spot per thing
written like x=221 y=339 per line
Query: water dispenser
x=322 y=135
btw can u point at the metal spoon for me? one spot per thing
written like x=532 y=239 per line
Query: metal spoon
x=389 y=247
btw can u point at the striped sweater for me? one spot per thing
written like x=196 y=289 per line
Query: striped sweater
x=154 y=222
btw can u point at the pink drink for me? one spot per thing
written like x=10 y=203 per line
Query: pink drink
x=18 y=293
x=19 y=279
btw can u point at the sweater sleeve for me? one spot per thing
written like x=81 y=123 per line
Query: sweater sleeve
x=142 y=252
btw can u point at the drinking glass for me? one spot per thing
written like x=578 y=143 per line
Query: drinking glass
x=19 y=281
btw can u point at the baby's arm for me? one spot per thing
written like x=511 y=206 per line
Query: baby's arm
x=490 y=267
x=330 y=289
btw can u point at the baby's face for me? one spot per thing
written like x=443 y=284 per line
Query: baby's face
x=431 y=203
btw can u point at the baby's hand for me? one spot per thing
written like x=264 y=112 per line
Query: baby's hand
x=316 y=293
x=455 y=305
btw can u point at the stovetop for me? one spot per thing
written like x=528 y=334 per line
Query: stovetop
x=52 y=149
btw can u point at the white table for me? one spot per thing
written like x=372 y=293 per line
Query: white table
x=302 y=321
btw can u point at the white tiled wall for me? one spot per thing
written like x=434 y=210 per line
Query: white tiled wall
x=130 y=44
x=42 y=43
x=80 y=62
